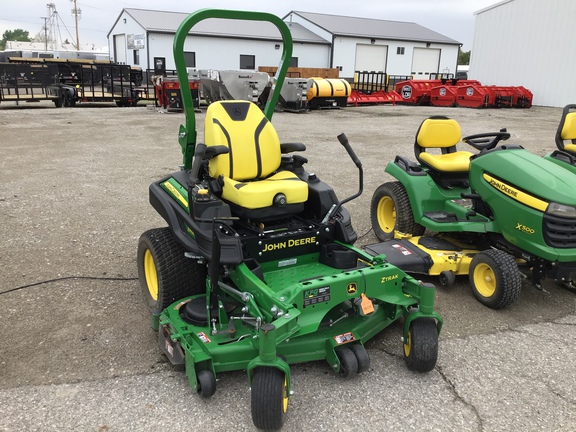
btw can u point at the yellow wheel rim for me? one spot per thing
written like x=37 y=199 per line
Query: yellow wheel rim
x=386 y=214
x=485 y=280
x=408 y=345
x=151 y=275
x=284 y=397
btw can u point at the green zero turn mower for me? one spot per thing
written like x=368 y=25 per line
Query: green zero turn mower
x=256 y=269
x=496 y=216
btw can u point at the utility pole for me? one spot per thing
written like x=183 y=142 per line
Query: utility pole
x=76 y=12
x=45 y=33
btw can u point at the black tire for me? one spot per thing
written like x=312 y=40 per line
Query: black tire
x=362 y=357
x=269 y=398
x=447 y=278
x=390 y=210
x=165 y=274
x=348 y=363
x=495 y=278
x=206 y=384
x=66 y=98
x=421 y=348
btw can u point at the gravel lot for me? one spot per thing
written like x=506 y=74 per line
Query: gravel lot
x=77 y=353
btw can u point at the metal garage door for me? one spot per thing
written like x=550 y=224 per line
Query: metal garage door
x=371 y=58
x=120 y=48
x=424 y=62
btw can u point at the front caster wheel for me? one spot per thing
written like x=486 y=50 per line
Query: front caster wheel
x=348 y=362
x=362 y=357
x=206 y=384
x=421 y=345
x=269 y=398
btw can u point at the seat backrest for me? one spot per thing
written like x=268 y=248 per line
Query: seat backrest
x=567 y=128
x=252 y=140
x=438 y=132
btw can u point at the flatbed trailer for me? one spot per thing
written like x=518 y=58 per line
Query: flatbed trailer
x=71 y=81
x=30 y=83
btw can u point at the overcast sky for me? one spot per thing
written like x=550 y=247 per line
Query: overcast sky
x=452 y=18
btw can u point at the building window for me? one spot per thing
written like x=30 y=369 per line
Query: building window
x=294 y=62
x=247 y=61
x=400 y=50
x=190 y=59
x=136 y=57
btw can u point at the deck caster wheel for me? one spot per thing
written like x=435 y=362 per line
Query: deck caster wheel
x=348 y=363
x=206 y=384
x=447 y=278
x=495 y=278
x=269 y=398
x=362 y=357
x=421 y=345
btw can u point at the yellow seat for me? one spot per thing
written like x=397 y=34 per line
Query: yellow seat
x=567 y=130
x=250 y=170
x=441 y=133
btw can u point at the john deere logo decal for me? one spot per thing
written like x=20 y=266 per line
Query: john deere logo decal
x=351 y=288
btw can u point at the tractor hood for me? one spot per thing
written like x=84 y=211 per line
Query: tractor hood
x=515 y=170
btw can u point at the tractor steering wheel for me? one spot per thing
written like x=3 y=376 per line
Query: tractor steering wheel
x=486 y=141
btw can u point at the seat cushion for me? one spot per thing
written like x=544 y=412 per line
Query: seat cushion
x=438 y=133
x=450 y=162
x=261 y=193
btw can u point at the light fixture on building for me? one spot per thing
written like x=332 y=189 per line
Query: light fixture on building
x=124 y=20
x=277 y=46
x=372 y=41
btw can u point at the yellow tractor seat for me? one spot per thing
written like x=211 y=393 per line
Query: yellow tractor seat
x=441 y=133
x=250 y=170
x=567 y=130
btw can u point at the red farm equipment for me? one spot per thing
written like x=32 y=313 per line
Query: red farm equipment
x=167 y=90
x=479 y=96
x=422 y=92
x=371 y=88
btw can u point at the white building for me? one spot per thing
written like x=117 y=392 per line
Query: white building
x=394 y=47
x=527 y=43
x=145 y=38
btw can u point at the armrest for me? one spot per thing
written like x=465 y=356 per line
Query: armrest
x=291 y=147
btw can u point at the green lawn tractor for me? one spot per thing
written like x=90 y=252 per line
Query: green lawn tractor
x=496 y=216
x=257 y=269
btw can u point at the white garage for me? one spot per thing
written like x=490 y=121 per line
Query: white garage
x=144 y=38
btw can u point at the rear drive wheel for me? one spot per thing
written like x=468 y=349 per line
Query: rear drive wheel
x=165 y=274
x=421 y=345
x=495 y=278
x=269 y=398
x=390 y=210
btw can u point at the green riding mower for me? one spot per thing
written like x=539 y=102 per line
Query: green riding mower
x=498 y=215
x=257 y=269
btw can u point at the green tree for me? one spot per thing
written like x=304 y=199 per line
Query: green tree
x=14 y=35
x=463 y=57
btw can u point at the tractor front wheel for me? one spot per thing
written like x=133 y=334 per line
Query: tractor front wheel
x=390 y=211
x=421 y=345
x=348 y=362
x=165 y=274
x=269 y=398
x=495 y=278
